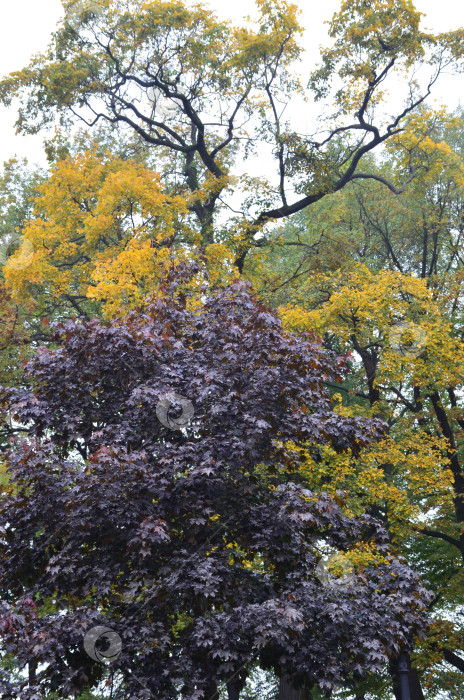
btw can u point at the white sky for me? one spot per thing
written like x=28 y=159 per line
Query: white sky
x=27 y=24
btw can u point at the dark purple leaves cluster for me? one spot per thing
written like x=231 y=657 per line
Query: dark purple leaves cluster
x=198 y=546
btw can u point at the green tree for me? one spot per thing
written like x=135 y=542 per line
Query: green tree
x=381 y=277
x=204 y=93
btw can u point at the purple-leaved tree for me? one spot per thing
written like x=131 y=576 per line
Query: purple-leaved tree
x=156 y=494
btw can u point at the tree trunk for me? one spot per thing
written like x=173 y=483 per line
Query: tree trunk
x=395 y=679
x=212 y=692
x=234 y=688
x=287 y=690
x=415 y=685
x=415 y=689
x=32 y=673
x=454 y=659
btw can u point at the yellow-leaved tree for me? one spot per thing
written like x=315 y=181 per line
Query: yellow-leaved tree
x=105 y=229
x=380 y=277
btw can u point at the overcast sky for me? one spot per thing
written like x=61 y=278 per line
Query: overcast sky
x=27 y=24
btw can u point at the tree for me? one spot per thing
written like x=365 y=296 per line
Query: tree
x=49 y=255
x=197 y=544
x=392 y=297
x=103 y=234
x=202 y=93
x=18 y=184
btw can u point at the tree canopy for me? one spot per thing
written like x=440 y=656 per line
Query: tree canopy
x=198 y=545
x=190 y=477
x=203 y=92
x=393 y=301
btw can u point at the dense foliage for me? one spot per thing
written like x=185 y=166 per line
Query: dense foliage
x=393 y=300
x=208 y=538
x=199 y=546
x=203 y=94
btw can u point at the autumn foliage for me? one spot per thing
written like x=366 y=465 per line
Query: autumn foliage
x=198 y=546
x=202 y=547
